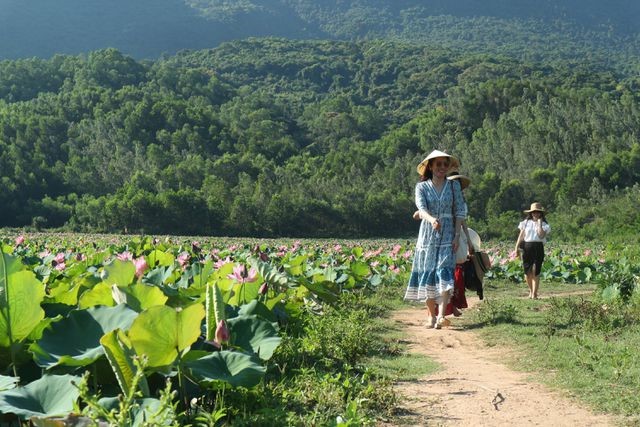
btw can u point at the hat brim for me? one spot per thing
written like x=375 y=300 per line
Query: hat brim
x=534 y=210
x=465 y=181
x=454 y=163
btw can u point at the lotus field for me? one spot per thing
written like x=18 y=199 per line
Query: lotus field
x=147 y=331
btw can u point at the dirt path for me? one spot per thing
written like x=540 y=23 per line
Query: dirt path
x=473 y=388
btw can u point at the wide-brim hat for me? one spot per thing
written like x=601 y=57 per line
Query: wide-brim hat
x=475 y=239
x=454 y=162
x=465 y=181
x=535 y=207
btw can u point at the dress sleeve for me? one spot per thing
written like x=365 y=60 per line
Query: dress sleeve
x=521 y=225
x=460 y=205
x=421 y=199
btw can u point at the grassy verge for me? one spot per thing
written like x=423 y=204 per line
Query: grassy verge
x=396 y=363
x=337 y=368
x=569 y=340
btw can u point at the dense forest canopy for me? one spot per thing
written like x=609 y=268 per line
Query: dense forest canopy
x=600 y=31
x=271 y=137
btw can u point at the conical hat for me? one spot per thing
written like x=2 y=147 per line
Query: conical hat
x=455 y=163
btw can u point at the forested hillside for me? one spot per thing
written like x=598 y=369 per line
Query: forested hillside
x=603 y=32
x=278 y=137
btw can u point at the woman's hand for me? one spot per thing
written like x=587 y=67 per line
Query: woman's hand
x=435 y=224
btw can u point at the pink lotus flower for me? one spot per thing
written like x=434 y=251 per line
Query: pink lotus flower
x=44 y=253
x=141 y=266
x=222 y=332
x=375 y=263
x=396 y=249
x=513 y=255
x=218 y=264
x=504 y=261
x=407 y=255
x=240 y=274
x=394 y=269
x=59 y=258
x=60 y=266
x=19 y=240
x=125 y=256
x=587 y=252
x=183 y=259
x=337 y=248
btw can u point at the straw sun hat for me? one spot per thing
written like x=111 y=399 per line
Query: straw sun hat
x=455 y=163
x=535 y=207
x=464 y=180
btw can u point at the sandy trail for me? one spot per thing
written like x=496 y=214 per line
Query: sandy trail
x=473 y=388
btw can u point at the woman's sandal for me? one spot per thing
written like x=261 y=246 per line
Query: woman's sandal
x=438 y=323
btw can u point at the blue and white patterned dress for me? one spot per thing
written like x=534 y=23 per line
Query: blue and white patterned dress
x=434 y=261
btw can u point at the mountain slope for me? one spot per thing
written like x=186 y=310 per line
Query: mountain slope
x=606 y=32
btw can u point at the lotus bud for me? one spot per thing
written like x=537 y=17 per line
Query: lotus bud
x=222 y=332
x=263 y=289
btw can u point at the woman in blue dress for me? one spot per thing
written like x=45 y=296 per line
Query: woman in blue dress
x=442 y=209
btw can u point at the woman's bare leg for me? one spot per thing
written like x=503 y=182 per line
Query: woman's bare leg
x=535 y=282
x=529 y=278
x=444 y=300
x=431 y=309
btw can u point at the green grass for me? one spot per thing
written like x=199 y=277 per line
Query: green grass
x=571 y=342
x=403 y=367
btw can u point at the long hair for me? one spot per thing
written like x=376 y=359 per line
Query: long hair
x=544 y=218
x=428 y=173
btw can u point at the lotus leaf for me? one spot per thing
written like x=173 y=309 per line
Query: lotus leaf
x=100 y=294
x=20 y=296
x=7 y=383
x=161 y=332
x=120 y=355
x=237 y=369
x=51 y=395
x=75 y=340
x=119 y=273
x=160 y=258
x=254 y=334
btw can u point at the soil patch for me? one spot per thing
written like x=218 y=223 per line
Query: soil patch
x=473 y=388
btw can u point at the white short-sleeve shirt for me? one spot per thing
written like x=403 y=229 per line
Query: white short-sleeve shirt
x=530 y=232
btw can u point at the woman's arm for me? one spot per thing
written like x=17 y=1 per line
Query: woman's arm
x=459 y=211
x=423 y=213
x=520 y=239
x=540 y=229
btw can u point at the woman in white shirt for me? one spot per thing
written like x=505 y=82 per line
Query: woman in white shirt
x=533 y=234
